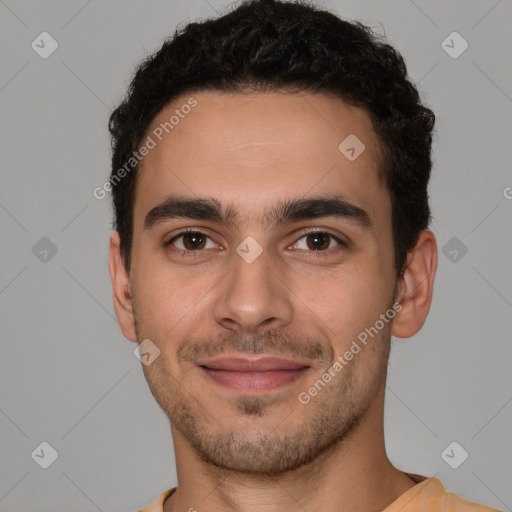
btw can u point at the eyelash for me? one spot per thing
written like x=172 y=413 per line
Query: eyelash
x=197 y=253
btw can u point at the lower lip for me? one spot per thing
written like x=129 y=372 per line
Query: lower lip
x=254 y=381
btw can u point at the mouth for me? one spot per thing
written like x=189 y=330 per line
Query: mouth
x=247 y=374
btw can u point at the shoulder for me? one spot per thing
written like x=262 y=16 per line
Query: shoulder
x=429 y=495
x=158 y=504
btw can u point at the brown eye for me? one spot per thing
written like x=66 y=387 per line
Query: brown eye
x=191 y=241
x=194 y=240
x=319 y=241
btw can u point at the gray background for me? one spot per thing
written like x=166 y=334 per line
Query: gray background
x=69 y=377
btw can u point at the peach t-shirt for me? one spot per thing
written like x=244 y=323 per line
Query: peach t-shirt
x=428 y=495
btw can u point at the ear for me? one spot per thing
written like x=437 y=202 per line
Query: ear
x=416 y=286
x=121 y=289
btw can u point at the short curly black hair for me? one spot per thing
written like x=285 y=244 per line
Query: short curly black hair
x=269 y=45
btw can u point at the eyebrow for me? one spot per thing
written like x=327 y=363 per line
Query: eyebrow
x=287 y=211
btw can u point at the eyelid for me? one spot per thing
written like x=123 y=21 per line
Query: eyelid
x=342 y=239
x=343 y=244
x=185 y=231
x=339 y=238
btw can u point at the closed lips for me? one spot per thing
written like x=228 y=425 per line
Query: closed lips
x=252 y=365
x=250 y=375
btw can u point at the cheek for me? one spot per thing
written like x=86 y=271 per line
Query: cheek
x=347 y=302
x=167 y=300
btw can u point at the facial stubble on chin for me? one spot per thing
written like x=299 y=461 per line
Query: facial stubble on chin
x=326 y=421
x=278 y=448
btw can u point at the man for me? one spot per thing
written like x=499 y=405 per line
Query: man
x=269 y=179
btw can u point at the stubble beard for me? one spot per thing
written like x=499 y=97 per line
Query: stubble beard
x=326 y=421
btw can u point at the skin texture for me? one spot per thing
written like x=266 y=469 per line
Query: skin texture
x=265 y=450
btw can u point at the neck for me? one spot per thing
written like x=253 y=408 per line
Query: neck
x=351 y=476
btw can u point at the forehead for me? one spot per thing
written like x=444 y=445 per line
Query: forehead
x=250 y=149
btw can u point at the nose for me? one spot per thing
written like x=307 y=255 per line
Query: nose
x=253 y=297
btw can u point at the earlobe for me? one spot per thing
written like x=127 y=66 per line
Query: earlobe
x=121 y=289
x=416 y=286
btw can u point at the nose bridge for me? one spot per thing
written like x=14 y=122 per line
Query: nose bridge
x=253 y=294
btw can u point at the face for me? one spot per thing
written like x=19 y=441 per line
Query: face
x=261 y=253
